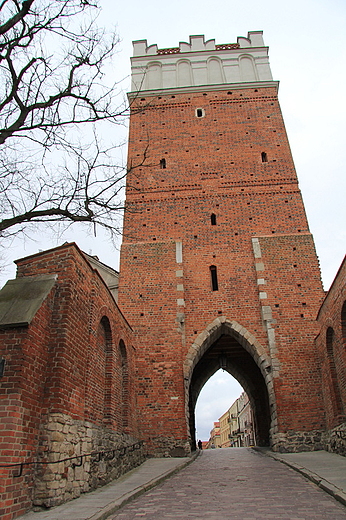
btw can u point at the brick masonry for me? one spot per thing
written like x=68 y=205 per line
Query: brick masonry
x=227 y=197
x=331 y=345
x=67 y=389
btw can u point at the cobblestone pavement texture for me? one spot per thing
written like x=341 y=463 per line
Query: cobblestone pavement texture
x=234 y=484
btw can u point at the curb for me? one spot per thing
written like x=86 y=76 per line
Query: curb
x=112 y=507
x=327 y=486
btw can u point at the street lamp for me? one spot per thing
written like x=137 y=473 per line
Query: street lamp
x=223 y=361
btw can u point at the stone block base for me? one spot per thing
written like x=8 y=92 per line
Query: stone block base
x=168 y=447
x=293 y=442
x=77 y=456
x=335 y=440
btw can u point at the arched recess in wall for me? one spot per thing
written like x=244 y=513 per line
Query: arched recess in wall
x=247 y=68
x=343 y=323
x=215 y=71
x=107 y=333
x=336 y=401
x=153 y=79
x=124 y=385
x=226 y=344
x=98 y=382
x=184 y=73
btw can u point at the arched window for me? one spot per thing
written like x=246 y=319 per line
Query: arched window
x=215 y=72
x=213 y=219
x=184 y=72
x=163 y=164
x=98 y=382
x=124 y=382
x=247 y=68
x=329 y=342
x=213 y=275
x=336 y=396
x=264 y=157
x=107 y=338
x=343 y=322
x=154 y=76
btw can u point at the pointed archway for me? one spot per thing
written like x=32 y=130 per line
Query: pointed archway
x=227 y=342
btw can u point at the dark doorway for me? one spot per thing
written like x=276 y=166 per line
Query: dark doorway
x=227 y=353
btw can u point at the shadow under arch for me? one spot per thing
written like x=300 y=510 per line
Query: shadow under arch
x=245 y=359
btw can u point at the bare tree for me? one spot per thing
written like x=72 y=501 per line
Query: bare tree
x=54 y=166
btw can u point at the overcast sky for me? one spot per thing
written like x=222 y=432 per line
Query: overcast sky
x=307 y=52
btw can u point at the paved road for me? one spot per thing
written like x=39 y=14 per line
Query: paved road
x=234 y=484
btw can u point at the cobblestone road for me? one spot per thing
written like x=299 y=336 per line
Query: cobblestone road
x=234 y=484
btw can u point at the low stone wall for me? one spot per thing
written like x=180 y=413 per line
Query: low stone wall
x=168 y=447
x=335 y=440
x=77 y=457
x=293 y=442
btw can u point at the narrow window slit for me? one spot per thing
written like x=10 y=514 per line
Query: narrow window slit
x=200 y=112
x=213 y=274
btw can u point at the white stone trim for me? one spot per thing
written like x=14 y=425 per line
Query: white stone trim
x=207 y=62
x=201 y=88
x=179 y=252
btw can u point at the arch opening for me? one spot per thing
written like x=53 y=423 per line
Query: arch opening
x=216 y=397
x=225 y=348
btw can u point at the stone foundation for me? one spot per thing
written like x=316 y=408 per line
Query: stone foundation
x=293 y=442
x=335 y=440
x=78 y=456
x=169 y=447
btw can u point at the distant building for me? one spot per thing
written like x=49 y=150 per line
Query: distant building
x=245 y=418
x=234 y=434
x=235 y=427
x=215 y=439
x=225 y=430
x=109 y=275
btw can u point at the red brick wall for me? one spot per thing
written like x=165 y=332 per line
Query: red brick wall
x=332 y=316
x=66 y=361
x=81 y=302
x=21 y=400
x=214 y=166
x=294 y=293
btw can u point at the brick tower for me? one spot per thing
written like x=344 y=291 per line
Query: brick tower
x=218 y=267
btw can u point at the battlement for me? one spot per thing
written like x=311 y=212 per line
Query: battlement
x=200 y=63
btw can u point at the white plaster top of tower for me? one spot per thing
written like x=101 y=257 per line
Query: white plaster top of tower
x=201 y=63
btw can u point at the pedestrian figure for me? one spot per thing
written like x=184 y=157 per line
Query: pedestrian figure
x=200 y=445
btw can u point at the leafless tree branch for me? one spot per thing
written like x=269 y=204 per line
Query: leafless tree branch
x=54 y=102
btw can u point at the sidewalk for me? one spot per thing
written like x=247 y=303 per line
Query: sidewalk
x=325 y=469
x=100 y=504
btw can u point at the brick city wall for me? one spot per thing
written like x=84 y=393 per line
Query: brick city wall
x=67 y=389
x=211 y=187
x=21 y=394
x=331 y=343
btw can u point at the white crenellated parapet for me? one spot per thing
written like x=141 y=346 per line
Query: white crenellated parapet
x=200 y=63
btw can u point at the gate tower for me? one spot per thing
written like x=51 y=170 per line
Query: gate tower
x=218 y=267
